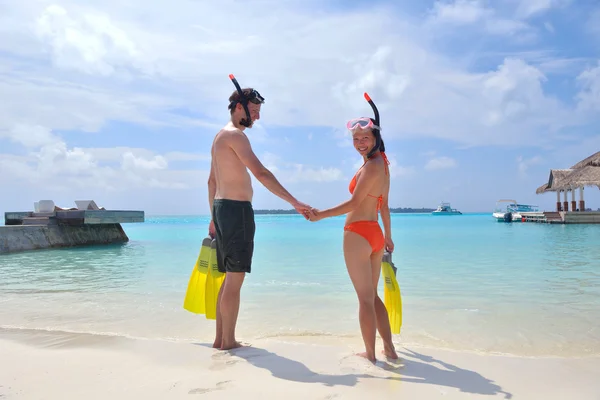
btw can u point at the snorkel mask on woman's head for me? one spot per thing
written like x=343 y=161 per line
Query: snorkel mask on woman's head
x=361 y=123
x=368 y=123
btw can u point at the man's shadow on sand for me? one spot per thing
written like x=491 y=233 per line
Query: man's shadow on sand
x=419 y=368
x=290 y=370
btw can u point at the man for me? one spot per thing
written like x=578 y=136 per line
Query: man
x=230 y=198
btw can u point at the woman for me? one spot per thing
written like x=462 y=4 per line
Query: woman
x=364 y=241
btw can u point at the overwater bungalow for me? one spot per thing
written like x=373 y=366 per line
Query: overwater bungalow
x=585 y=173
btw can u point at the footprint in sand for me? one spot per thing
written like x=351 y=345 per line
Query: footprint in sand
x=353 y=364
x=220 y=386
x=222 y=360
x=223 y=364
x=226 y=358
x=221 y=355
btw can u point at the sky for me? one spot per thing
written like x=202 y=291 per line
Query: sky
x=119 y=101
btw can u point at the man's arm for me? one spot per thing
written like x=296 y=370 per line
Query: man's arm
x=241 y=145
x=212 y=187
x=212 y=190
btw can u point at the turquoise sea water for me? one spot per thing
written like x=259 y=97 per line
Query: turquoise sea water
x=467 y=283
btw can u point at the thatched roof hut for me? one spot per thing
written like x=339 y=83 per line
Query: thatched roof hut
x=542 y=189
x=556 y=181
x=593 y=160
x=585 y=173
x=585 y=176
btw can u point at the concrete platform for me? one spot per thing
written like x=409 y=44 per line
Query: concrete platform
x=581 y=217
x=18 y=238
x=27 y=230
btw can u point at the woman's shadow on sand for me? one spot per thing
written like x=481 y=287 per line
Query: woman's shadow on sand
x=411 y=367
x=421 y=369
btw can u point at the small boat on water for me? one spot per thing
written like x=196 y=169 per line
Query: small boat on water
x=446 y=209
x=511 y=211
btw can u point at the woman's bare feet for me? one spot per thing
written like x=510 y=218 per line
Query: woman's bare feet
x=389 y=351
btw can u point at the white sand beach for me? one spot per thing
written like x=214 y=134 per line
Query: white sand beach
x=57 y=365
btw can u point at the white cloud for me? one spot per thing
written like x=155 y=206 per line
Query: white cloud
x=475 y=12
x=79 y=66
x=257 y=133
x=396 y=170
x=49 y=163
x=114 y=62
x=303 y=173
x=29 y=136
x=593 y=23
x=182 y=156
x=589 y=97
x=528 y=8
x=440 y=163
x=131 y=162
x=87 y=41
x=523 y=164
x=270 y=161
x=460 y=11
x=289 y=172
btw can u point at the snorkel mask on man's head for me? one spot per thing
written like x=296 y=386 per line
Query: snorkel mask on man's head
x=368 y=123
x=245 y=96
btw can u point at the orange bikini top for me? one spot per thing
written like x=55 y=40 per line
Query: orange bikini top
x=352 y=185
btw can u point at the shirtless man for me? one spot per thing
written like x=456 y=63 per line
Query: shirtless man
x=230 y=198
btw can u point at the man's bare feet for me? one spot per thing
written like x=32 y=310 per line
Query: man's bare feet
x=217 y=344
x=234 y=345
x=365 y=355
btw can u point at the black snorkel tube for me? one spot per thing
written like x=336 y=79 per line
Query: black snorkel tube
x=376 y=131
x=254 y=97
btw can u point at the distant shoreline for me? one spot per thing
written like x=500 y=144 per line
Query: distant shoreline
x=392 y=210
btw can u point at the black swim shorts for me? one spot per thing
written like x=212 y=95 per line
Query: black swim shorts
x=234 y=226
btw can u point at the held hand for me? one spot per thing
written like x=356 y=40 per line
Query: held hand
x=211 y=230
x=315 y=215
x=302 y=208
x=389 y=245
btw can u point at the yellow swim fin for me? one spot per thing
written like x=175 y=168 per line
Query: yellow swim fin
x=213 y=283
x=194 y=300
x=391 y=293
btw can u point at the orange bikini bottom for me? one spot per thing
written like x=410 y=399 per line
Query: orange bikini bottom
x=370 y=230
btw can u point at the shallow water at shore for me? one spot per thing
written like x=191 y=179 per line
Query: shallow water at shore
x=467 y=283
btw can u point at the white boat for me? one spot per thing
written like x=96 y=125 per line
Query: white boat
x=511 y=211
x=446 y=209
x=517 y=210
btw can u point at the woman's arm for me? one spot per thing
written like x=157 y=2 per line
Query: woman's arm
x=385 y=211
x=364 y=184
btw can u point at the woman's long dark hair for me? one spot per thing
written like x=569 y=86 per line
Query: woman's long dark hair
x=379 y=145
